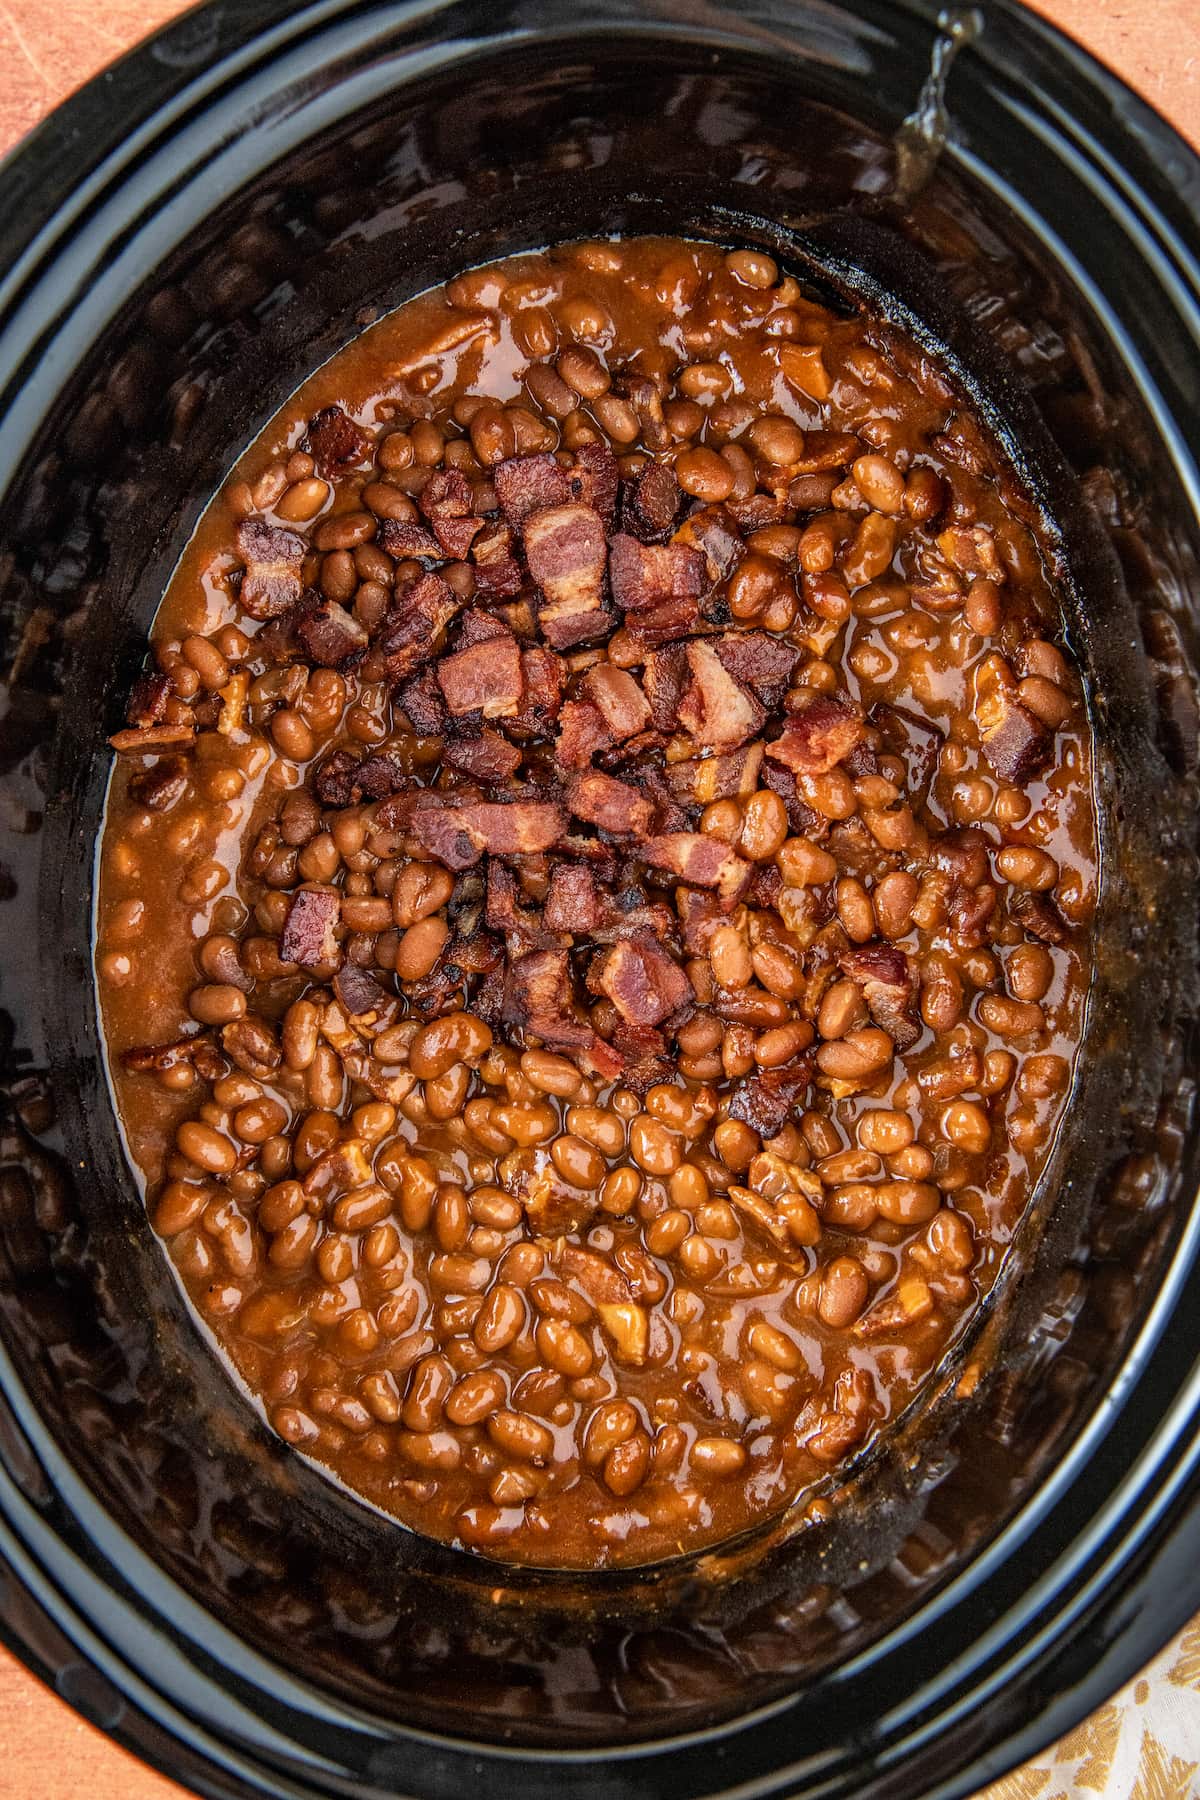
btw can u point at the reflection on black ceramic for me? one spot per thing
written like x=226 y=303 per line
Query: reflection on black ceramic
x=187 y=1580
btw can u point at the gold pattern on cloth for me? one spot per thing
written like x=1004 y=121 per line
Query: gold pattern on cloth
x=1144 y=1745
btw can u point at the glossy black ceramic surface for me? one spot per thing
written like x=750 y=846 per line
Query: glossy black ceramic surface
x=181 y=244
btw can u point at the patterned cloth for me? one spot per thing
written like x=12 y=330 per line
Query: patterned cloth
x=1144 y=1745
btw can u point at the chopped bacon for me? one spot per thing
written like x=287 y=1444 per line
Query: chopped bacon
x=698 y=860
x=572 y=902
x=151 y=740
x=308 y=936
x=595 y=480
x=271 y=583
x=618 y=698
x=768 y=1100
x=148 y=699
x=971 y=549
x=199 y=1050
x=497 y=571
x=488 y=758
x=504 y=913
x=457 y=835
x=713 y=532
x=334 y=779
x=1018 y=744
x=529 y=484
x=335 y=442
x=359 y=992
x=654 y=500
x=455 y=536
x=413 y=629
x=758 y=511
x=815 y=739
x=582 y=732
x=446 y=495
x=1038 y=915
x=885 y=977
x=330 y=635
x=486 y=678
x=763 y=663
x=552 y=1206
x=644 y=575
x=700 y=915
x=376 y=777
x=714 y=708
x=407 y=537
x=611 y=805
x=827 y=450
x=421 y=699
x=477 y=627
x=545 y=674
x=665 y=623
x=643 y=1053
x=538 y=997
x=715 y=777
x=566 y=551
x=667 y=674
x=644 y=983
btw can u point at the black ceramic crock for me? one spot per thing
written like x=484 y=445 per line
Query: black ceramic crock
x=180 y=244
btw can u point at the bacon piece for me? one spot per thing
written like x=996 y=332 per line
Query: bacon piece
x=665 y=623
x=644 y=575
x=611 y=805
x=334 y=779
x=715 y=709
x=360 y=994
x=595 y=479
x=497 y=571
x=816 y=739
x=455 y=536
x=826 y=450
x=1038 y=916
x=572 y=902
x=151 y=740
x=713 y=532
x=330 y=635
x=885 y=977
x=538 y=998
x=698 y=860
x=199 y=1050
x=446 y=495
x=486 y=678
x=477 y=627
x=715 y=777
x=618 y=698
x=488 y=758
x=529 y=484
x=700 y=915
x=971 y=549
x=643 y=1053
x=1019 y=743
x=804 y=820
x=271 y=583
x=644 y=983
x=334 y=441
x=421 y=699
x=148 y=699
x=582 y=732
x=308 y=936
x=667 y=674
x=413 y=628
x=758 y=511
x=407 y=537
x=768 y=1100
x=458 y=835
x=566 y=551
x=763 y=663
x=377 y=777
x=552 y=1206
x=521 y=929
x=544 y=674
x=654 y=499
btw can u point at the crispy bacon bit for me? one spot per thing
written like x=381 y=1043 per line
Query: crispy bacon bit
x=763 y=663
x=643 y=1053
x=455 y=536
x=421 y=699
x=886 y=980
x=273 y=557
x=618 y=698
x=971 y=549
x=552 y=1206
x=827 y=450
x=816 y=739
x=253 y=1046
x=407 y=537
x=335 y=442
x=446 y=495
x=644 y=983
x=152 y=739
x=572 y=902
x=360 y=993
x=1019 y=743
x=308 y=935
x=699 y=916
x=334 y=779
x=1038 y=915
x=611 y=805
x=330 y=635
x=148 y=699
x=412 y=631
x=582 y=732
x=529 y=484
x=376 y=777
x=716 y=777
x=595 y=479
x=486 y=678
x=767 y=1101
x=161 y=785
x=667 y=674
x=758 y=511
x=199 y=1050
x=700 y=861
x=714 y=708
x=713 y=532
x=488 y=758
x=545 y=674
x=566 y=551
x=497 y=571
x=645 y=575
x=538 y=998
x=654 y=500
x=458 y=835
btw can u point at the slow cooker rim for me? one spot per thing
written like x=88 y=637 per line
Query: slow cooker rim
x=64 y=140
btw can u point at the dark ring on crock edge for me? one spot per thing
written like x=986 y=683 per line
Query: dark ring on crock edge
x=1108 y=1564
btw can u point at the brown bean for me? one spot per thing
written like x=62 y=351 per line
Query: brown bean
x=217 y=1003
x=456 y=1037
x=1011 y=1018
x=520 y=1436
x=500 y=1319
x=475 y=1397
x=420 y=947
x=627 y=1464
x=208 y=1149
x=551 y=1074
x=718 y=1456
x=704 y=474
x=844 y=1291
